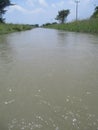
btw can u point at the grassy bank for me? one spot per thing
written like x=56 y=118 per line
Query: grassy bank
x=9 y=28
x=88 y=26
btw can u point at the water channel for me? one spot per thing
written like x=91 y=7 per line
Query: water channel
x=48 y=80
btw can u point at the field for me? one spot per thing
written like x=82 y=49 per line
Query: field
x=8 y=28
x=88 y=26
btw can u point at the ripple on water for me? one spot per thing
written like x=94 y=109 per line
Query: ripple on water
x=9 y=102
x=69 y=116
x=23 y=125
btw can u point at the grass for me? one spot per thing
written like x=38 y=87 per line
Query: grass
x=9 y=28
x=88 y=26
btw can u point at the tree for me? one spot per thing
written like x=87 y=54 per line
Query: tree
x=62 y=15
x=95 y=14
x=3 y=5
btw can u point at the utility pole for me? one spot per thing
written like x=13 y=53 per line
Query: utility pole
x=77 y=1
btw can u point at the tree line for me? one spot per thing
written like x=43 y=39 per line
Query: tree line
x=61 y=16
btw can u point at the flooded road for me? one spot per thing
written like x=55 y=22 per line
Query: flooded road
x=48 y=81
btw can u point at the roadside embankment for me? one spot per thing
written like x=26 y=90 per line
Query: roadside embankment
x=9 y=28
x=88 y=26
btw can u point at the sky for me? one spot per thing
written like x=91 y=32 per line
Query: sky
x=44 y=11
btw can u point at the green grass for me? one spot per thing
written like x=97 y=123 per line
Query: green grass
x=9 y=28
x=88 y=26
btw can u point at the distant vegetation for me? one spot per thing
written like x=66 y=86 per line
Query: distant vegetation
x=89 y=25
x=46 y=24
x=8 y=28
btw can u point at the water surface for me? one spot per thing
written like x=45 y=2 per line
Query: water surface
x=48 y=81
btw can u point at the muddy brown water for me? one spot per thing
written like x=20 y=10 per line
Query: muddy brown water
x=48 y=80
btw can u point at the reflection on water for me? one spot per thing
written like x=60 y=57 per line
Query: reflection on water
x=5 y=51
x=48 y=81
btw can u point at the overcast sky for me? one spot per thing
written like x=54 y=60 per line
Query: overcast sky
x=43 y=11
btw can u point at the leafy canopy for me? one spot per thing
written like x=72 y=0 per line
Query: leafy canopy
x=95 y=14
x=62 y=15
x=3 y=5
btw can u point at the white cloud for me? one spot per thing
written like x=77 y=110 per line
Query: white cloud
x=43 y=3
x=71 y=2
x=36 y=11
x=30 y=2
x=25 y=11
x=36 y=2
x=17 y=7
x=87 y=1
x=58 y=4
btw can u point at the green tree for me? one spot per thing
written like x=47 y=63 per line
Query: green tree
x=95 y=14
x=3 y=5
x=62 y=15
